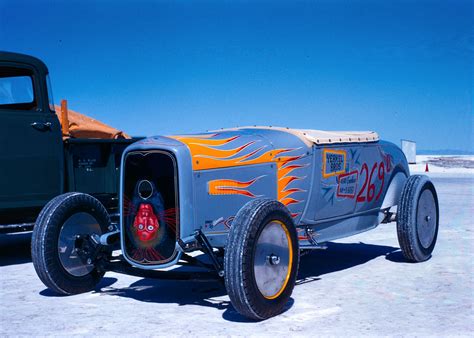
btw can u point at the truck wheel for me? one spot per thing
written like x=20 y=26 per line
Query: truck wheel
x=261 y=259
x=418 y=218
x=59 y=245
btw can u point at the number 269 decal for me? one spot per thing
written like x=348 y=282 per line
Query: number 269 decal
x=368 y=188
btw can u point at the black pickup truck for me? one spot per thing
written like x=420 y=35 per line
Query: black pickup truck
x=36 y=163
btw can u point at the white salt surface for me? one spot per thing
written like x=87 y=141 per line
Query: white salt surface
x=359 y=286
x=446 y=164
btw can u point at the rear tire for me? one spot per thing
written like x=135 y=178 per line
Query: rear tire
x=261 y=259
x=418 y=218
x=53 y=246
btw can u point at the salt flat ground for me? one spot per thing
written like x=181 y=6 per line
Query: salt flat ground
x=360 y=285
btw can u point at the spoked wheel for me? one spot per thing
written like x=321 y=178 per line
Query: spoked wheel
x=261 y=259
x=418 y=218
x=64 y=246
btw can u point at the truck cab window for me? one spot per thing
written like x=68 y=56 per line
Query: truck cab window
x=16 y=90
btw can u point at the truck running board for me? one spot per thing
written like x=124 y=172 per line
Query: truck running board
x=9 y=228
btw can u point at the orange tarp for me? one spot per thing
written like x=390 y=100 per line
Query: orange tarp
x=82 y=126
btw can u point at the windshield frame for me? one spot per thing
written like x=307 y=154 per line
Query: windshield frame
x=49 y=89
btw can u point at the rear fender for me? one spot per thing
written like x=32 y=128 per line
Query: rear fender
x=394 y=190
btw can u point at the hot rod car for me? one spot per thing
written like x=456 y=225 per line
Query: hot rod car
x=250 y=198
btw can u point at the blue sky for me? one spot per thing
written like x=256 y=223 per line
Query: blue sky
x=401 y=68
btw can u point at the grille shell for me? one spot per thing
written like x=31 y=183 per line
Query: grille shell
x=160 y=168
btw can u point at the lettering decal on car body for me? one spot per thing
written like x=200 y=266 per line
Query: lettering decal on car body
x=347 y=184
x=334 y=162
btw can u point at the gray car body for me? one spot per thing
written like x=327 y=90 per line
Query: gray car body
x=331 y=190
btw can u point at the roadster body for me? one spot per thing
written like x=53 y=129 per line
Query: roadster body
x=251 y=198
x=323 y=179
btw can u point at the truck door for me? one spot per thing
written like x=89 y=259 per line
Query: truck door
x=31 y=153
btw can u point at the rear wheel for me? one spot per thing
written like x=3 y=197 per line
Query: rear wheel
x=418 y=218
x=261 y=259
x=63 y=245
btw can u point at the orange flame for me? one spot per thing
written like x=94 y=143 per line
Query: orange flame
x=285 y=167
x=231 y=187
x=206 y=153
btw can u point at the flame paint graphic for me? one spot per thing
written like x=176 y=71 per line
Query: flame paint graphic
x=207 y=153
x=231 y=187
x=285 y=169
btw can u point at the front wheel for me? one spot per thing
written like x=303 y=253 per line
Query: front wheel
x=261 y=259
x=418 y=218
x=61 y=248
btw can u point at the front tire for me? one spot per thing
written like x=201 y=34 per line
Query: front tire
x=53 y=244
x=261 y=259
x=418 y=218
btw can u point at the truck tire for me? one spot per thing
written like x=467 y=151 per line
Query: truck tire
x=261 y=259
x=53 y=243
x=418 y=218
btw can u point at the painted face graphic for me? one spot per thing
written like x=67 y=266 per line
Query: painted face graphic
x=146 y=224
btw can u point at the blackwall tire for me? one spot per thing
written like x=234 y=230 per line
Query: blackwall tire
x=56 y=265
x=418 y=218
x=261 y=259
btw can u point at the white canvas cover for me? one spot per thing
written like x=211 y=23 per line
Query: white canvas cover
x=310 y=136
x=329 y=137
